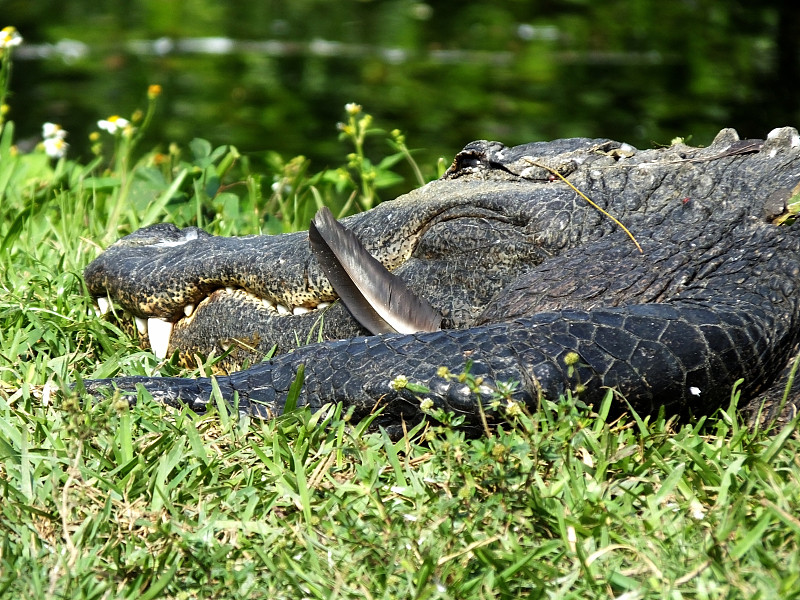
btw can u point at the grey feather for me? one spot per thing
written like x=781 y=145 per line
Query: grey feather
x=377 y=298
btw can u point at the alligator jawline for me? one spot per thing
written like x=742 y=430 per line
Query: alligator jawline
x=158 y=331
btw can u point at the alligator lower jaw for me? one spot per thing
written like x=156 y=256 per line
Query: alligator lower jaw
x=202 y=322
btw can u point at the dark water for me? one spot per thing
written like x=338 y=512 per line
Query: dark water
x=278 y=74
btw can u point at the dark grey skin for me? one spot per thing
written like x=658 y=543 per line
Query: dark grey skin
x=524 y=272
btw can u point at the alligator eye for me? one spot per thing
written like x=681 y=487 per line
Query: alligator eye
x=469 y=161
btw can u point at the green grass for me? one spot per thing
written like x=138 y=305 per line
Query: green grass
x=103 y=501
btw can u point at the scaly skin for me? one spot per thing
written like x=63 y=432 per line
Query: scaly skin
x=523 y=270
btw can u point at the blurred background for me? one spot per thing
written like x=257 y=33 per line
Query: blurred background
x=275 y=75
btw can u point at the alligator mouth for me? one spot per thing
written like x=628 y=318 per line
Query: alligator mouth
x=158 y=332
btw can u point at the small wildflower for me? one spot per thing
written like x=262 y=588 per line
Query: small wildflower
x=399 y=382
x=154 y=91
x=571 y=358
x=55 y=147
x=426 y=405
x=499 y=452
x=698 y=512
x=53 y=130
x=346 y=129
x=513 y=409
x=113 y=124
x=94 y=137
x=137 y=116
x=351 y=108
x=9 y=37
x=443 y=372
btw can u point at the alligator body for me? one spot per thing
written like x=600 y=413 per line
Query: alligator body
x=523 y=271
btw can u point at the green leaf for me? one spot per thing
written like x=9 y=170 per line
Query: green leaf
x=200 y=148
x=753 y=537
x=294 y=390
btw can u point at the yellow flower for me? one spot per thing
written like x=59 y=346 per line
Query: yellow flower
x=113 y=124
x=399 y=382
x=154 y=91
x=351 y=108
x=9 y=37
x=513 y=409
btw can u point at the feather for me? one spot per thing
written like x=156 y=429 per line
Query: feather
x=377 y=298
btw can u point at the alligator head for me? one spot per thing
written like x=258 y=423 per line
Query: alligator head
x=503 y=237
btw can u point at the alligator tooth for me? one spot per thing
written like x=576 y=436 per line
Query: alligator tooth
x=322 y=305
x=188 y=309
x=141 y=324
x=300 y=310
x=103 y=303
x=282 y=310
x=229 y=289
x=159 y=331
x=269 y=303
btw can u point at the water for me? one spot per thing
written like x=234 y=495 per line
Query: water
x=276 y=76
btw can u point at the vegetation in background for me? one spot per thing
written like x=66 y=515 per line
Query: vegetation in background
x=445 y=72
x=103 y=500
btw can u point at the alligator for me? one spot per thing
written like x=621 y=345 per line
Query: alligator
x=691 y=287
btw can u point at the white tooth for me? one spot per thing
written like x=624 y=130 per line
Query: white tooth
x=300 y=310
x=188 y=309
x=103 y=303
x=159 y=331
x=323 y=305
x=282 y=310
x=269 y=303
x=141 y=324
x=229 y=289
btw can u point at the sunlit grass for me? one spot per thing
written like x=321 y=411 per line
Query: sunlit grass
x=105 y=501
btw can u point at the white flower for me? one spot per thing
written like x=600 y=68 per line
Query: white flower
x=113 y=124
x=55 y=147
x=53 y=130
x=9 y=37
x=351 y=108
x=698 y=512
